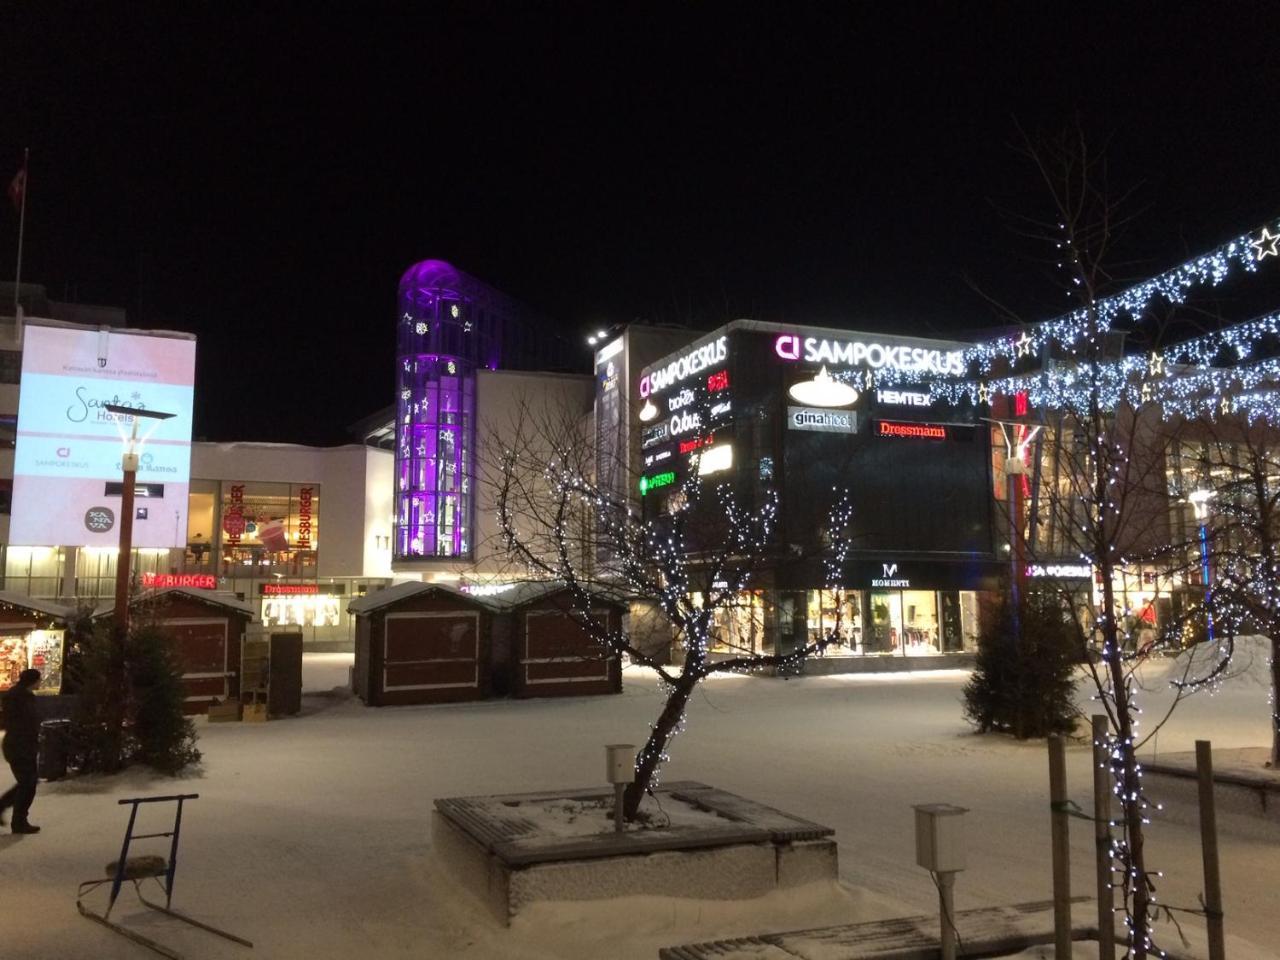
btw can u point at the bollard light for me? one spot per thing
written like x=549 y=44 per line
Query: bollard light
x=940 y=850
x=619 y=770
x=939 y=837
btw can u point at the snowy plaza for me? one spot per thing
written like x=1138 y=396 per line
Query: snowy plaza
x=311 y=835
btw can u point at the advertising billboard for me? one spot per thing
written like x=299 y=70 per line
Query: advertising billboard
x=66 y=475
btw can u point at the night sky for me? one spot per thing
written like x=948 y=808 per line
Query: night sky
x=263 y=177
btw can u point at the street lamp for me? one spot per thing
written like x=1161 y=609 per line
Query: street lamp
x=129 y=465
x=1199 y=500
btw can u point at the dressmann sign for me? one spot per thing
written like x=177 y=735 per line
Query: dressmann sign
x=861 y=353
x=66 y=472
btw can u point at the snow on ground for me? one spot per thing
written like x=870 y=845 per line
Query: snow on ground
x=311 y=835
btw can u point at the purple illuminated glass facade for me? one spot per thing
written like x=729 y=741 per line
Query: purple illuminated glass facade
x=449 y=326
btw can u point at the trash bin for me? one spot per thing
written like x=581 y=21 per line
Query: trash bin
x=55 y=736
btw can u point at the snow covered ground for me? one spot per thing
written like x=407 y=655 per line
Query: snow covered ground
x=311 y=835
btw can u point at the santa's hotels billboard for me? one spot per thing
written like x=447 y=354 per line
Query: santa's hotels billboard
x=67 y=461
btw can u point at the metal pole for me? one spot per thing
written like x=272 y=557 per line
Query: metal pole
x=1209 y=851
x=946 y=901
x=1061 y=848
x=1102 y=837
x=126 y=547
x=22 y=228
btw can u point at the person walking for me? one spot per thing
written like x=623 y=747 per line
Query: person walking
x=21 y=747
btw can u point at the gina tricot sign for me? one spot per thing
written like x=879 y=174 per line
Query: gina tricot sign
x=822 y=420
x=685 y=366
x=856 y=353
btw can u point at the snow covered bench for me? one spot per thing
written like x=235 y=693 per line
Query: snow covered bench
x=984 y=932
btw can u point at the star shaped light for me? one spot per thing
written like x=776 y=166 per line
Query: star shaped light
x=868 y=379
x=1226 y=404
x=1266 y=244
x=1146 y=393
x=984 y=393
x=1022 y=346
x=1155 y=365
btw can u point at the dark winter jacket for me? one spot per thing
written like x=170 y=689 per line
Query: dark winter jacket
x=21 y=724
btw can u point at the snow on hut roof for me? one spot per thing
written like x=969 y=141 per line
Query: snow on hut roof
x=222 y=598
x=52 y=608
x=494 y=596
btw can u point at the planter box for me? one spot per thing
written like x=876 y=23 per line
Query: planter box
x=738 y=850
x=226 y=712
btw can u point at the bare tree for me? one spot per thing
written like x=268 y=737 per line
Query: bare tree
x=1104 y=494
x=1233 y=469
x=691 y=548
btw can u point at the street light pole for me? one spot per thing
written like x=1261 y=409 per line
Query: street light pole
x=1199 y=500
x=128 y=492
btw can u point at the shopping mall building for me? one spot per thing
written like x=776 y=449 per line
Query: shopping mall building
x=300 y=532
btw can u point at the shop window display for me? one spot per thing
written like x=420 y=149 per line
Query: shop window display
x=267 y=525
x=36 y=649
x=837 y=610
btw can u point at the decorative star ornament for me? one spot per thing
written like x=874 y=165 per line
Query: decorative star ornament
x=1146 y=393
x=1022 y=346
x=1155 y=365
x=984 y=393
x=1266 y=244
x=868 y=379
x=1226 y=403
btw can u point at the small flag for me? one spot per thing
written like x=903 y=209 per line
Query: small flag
x=18 y=187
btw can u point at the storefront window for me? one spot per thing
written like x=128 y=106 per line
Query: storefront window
x=838 y=611
x=307 y=611
x=271 y=527
x=34 y=649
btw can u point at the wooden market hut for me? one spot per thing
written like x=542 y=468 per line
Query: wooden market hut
x=439 y=643
x=422 y=643
x=550 y=653
x=32 y=634
x=208 y=629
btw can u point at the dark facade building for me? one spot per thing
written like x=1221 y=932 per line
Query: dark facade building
x=797 y=410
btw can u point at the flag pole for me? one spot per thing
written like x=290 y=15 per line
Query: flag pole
x=22 y=225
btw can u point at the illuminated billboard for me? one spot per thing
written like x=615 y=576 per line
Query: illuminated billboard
x=66 y=475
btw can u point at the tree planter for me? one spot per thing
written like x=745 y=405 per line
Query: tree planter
x=510 y=851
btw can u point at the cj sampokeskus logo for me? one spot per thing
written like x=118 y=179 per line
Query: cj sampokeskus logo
x=64 y=452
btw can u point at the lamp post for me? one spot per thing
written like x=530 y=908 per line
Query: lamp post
x=129 y=465
x=1199 y=500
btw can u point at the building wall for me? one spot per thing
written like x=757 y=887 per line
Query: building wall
x=503 y=398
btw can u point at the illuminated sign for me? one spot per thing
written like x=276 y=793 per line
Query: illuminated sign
x=69 y=445
x=486 y=589
x=685 y=366
x=1073 y=571
x=681 y=399
x=822 y=420
x=683 y=423
x=656 y=481
x=290 y=589
x=855 y=353
x=919 y=431
x=718 y=381
x=890 y=578
x=304 y=518
x=164 y=581
x=651 y=458
x=654 y=435
x=715 y=459
x=688 y=446
x=903 y=398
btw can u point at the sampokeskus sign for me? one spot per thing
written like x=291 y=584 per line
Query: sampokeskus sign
x=862 y=353
x=684 y=366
